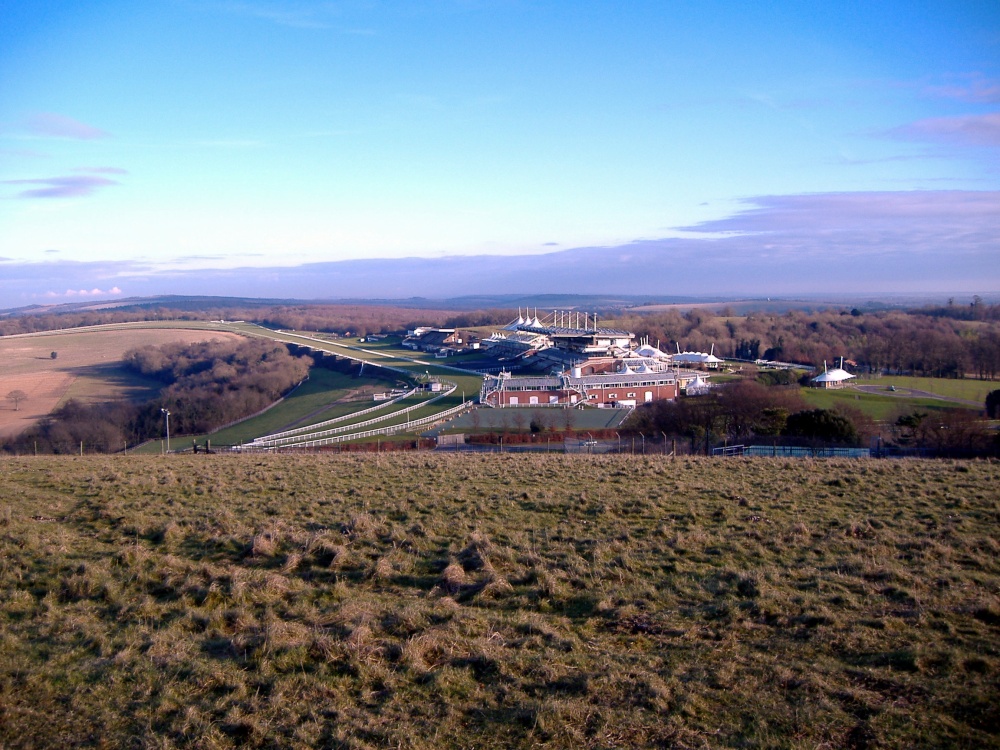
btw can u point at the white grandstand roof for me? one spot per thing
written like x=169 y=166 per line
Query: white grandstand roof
x=648 y=350
x=836 y=375
x=696 y=358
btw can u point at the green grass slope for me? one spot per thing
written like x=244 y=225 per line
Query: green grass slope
x=493 y=601
x=880 y=406
x=963 y=388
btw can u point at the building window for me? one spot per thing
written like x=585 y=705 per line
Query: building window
x=513 y=400
x=631 y=395
x=612 y=395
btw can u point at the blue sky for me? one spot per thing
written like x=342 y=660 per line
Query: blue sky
x=146 y=145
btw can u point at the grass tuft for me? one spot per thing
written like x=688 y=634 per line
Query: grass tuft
x=477 y=601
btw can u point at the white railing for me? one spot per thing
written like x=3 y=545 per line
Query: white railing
x=402 y=427
x=274 y=443
x=341 y=418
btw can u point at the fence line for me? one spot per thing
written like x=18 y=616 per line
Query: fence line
x=334 y=420
x=791 y=451
x=267 y=443
x=403 y=427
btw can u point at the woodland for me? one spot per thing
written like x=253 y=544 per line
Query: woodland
x=205 y=386
x=750 y=412
x=208 y=385
x=921 y=342
x=956 y=340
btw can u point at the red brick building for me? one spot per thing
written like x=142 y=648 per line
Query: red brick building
x=610 y=390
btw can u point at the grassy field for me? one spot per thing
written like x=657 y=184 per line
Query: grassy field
x=327 y=394
x=87 y=368
x=966 y=388
x=876 y=405
x=488 y=601
x=387 y=352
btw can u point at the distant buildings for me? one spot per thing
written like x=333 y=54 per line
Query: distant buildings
x=613 y=390
x=835 y=378
x=587 y=365
x=441 y=342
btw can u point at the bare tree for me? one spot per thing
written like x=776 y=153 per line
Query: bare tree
x=17 y=397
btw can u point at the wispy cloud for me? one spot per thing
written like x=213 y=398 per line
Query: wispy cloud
x=297 y=16
x=863 y=242
x=101 y=170
x=964 y=130
x=52 y=125
x=931 y=213
x=69 y=186
x=95 y=292
x=860 y=161
x=230 y=143
x=973 y=88
x=340 y=17
x=25 y=153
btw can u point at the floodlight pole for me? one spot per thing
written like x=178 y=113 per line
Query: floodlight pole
x=166 y=415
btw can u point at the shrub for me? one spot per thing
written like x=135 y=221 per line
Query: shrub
x=822 y=425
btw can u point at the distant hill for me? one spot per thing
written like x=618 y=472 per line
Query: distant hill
x=590 y=302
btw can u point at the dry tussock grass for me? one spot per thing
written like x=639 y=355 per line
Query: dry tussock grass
x=498 y=601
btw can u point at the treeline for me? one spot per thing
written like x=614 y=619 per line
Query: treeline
x=888 y=341
x=355 y=320
x=16 y=324
x=975 y=310
x=206 y=385
x=747 y=412
x=950 y=341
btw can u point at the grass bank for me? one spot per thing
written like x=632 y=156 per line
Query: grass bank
x=425 y=601
x=878 y=406
x=968 y=389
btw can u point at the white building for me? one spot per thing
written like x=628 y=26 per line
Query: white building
x=835 y=378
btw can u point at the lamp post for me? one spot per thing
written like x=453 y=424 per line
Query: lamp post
x=166 y=415
x=643 y=443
